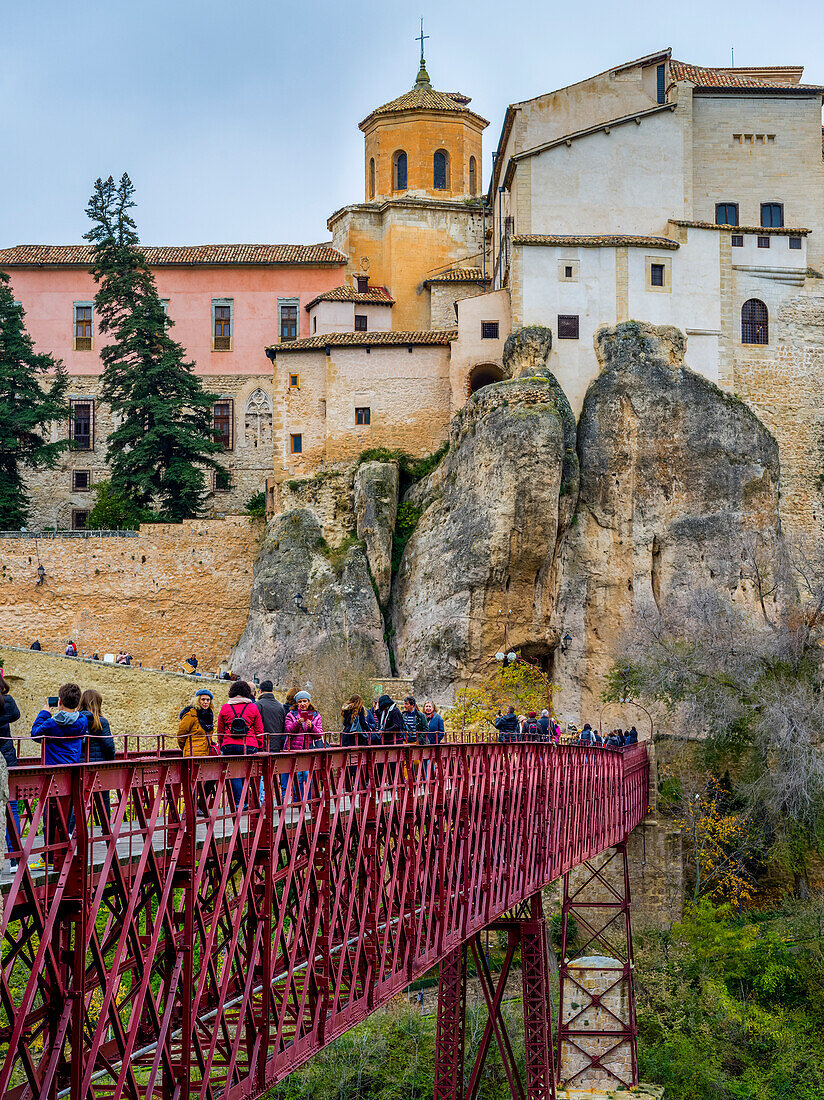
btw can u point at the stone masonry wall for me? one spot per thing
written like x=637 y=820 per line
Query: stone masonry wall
x=169 y=590
x=249 y=462
x=135 y=700
x=783 y=383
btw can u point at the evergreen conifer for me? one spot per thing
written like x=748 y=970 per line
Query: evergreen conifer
x=165 y=438
x=32 y=396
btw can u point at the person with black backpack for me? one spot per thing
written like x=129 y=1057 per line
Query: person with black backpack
x=532 y=728
x=239 y=729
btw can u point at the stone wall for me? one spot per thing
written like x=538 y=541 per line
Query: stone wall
x=135 y=700
x=162 y=594
x=783 y=383
x=54 y=501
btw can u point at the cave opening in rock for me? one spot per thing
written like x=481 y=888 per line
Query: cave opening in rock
x=485 y=374
x=539 y=654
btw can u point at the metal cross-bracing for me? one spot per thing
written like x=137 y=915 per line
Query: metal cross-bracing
x=174 y=946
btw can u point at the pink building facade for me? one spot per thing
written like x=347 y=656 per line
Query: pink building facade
x=228 y=304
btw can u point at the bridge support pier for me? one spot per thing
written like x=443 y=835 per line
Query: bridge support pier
x=526 y=928
x=597 y=1034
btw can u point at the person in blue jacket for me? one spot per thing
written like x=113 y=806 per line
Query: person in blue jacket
x=436 y=729
x=64 y=731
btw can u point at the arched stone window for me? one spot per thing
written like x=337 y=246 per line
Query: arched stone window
x=755 y=323
x=258 y=419
x=473 y=184
x=485 y=374
x=441 y=170
x=371 y=177
x=399 y=171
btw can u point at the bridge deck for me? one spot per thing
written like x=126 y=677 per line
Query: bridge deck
x=166 y=956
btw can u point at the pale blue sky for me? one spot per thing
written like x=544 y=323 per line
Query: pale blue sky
x=237 y=120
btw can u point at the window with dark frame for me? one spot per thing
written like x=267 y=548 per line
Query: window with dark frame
x=81 y=481
x=567 y=326
x=737 y=240
x=399 y=171
x=661 y=89
x=755 y=327
x=288 y=322
x=363 y=416
x=795 y=242
x=222 y=419
x=294 y=381
x=81 y=424
x=473 y=185
x=222 y=480
x=763 y=242
x=726 y=213
x=440 y=170
x=489 y=330
x=567 y=272
x=223 y=328
x=772 y=215
x=296 y=444
x=360 y=322
x=83 y=328
x=656 y=274
x=80 y=517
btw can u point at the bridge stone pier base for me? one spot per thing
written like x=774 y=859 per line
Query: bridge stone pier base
x=525 y=927
x=597 y=1044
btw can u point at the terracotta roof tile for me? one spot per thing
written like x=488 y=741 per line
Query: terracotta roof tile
x=606 y=240
x=429 y=338
x=211 y=254
x=375 y=295
x=458 y=275
x=425 y=98
x=761 y=230
x=777 y=78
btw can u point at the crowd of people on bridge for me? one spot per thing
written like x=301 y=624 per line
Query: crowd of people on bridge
x=513 y=727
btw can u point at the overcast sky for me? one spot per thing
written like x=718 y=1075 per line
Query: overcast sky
x=237 y=121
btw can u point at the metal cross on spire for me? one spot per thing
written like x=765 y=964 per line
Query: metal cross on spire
x=420 y=38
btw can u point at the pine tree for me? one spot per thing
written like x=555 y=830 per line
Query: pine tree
x=32 y=392
x=165 y=438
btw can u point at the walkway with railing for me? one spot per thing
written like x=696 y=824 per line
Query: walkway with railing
x=172 y=947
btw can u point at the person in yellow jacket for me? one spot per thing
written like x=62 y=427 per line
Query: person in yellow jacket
x=194 y=733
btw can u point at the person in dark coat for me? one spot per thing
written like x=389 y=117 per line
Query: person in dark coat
x=543 y=722
x=390 y=721
x=35 y=646
x=99 y=743
x=273 y=714
x=9 y=712
x=508 y=726
x=631 y=737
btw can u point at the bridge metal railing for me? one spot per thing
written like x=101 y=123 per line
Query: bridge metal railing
x=157 y=941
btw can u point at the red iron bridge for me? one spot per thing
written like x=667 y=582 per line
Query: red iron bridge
x=172 y=947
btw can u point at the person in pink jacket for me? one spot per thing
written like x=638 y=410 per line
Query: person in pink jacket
x=303 y=729
x=239 y=728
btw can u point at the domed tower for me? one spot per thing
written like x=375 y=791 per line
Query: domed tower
x=423 y=144
x=418 y=233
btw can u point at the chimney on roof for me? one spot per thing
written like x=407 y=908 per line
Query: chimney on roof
x=362 y=283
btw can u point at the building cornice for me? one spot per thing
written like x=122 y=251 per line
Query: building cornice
x=455 y=206
x=600 y=240
x=760 y=230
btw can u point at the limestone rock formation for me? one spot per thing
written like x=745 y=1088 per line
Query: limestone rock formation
x=481 y=558
x=338 y=605
x=526 y=351
x=679 y=481
x=376 y=509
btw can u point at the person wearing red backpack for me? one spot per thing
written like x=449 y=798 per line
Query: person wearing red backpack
x=239 y=728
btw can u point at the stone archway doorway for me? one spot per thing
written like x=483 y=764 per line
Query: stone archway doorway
x=485 y=374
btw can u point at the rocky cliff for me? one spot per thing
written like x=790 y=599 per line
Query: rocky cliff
x=679 y=483
x=532 y=530
x=481 y=558
x=337 y=603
